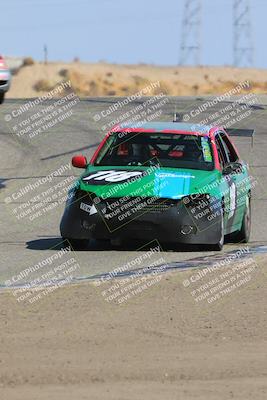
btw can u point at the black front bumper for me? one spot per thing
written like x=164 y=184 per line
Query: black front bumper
x=167 y=220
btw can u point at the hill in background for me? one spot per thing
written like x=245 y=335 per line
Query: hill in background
x=33 y=79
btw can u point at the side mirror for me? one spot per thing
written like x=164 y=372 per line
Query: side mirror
x=233 y=168
x=79 y=161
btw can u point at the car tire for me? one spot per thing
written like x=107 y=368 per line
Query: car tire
x=2 y=97
x=219 y=246
x=116 y=242
x=243 y=235
x=77 y=244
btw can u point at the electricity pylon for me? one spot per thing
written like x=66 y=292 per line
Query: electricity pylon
x=190 y=48
x=243 y=44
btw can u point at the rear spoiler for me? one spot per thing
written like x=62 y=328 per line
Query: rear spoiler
x=248 y=133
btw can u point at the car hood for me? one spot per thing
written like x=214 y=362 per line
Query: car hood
x=172 y=183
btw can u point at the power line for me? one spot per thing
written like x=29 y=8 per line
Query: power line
x=190 y=47
x=242 y=43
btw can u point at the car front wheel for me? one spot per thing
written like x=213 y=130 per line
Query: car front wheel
x=219 y=245
x=2 y=97
x=77 y=244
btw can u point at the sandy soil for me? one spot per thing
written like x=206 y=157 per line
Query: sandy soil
x=159 y=345
x=103 y=79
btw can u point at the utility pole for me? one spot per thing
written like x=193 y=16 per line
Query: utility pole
x=190 y=47
x=243 y=43
x=45 y=54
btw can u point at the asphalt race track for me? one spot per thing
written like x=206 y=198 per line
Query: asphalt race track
x=24 y=161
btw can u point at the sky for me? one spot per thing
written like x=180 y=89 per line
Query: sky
x=123 y=31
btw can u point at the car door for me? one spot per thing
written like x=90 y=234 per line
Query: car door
x=227 y=186
x=238 y=179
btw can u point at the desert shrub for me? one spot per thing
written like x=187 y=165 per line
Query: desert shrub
x=106 y=82
x=28 y=61
x=164 y=88
x=43 y=85
x=125 y=89
x=111 y=92
x=64 y=72
x=140 y=82
x=78 y=82
x=195 y=88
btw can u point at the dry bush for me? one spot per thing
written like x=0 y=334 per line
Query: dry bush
x=94 y=88
x=223 y=87
x=43 y=85
x=126 y=89
x=63 y=72
x=112 y=93
x=256 y=87
x=106 y=82
x=164 y=88
x=195 y=89
x=78 y=81
x=82 y=85
x=140 y=82
x=28 y=61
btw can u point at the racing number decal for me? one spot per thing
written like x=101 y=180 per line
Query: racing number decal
x=112 y=176
x=232 y=202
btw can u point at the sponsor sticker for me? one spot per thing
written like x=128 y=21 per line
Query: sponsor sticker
x=206 y=149
x=89 y=209
x=111 y=176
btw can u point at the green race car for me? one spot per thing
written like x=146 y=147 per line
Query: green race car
x=174 y=182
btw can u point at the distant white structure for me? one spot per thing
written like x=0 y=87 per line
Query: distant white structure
x=14 y=63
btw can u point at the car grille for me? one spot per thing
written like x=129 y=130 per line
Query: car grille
x=157 y=207
x=144 y=205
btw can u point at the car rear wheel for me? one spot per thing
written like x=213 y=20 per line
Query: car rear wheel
x=244 y=233
x=2 y=97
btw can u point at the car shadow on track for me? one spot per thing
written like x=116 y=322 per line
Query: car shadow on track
x=57 y=243
x=51 y=243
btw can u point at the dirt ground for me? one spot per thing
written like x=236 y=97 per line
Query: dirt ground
x=161 y=344
x=103 y=79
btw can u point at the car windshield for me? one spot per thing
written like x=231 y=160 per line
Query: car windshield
x=167 y=150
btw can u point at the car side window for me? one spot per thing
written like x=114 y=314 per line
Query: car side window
x=229 y=148
x=221 y=151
